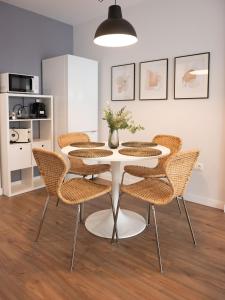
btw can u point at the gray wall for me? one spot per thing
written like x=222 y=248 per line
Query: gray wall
x=26 y=38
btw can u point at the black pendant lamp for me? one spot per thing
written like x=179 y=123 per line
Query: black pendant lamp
x=115 y=31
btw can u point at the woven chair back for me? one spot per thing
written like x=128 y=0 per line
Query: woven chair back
x=73 y=137
x=179 y=168
x=174 y=143
x=52 y=168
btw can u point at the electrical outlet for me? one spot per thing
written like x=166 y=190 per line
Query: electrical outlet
x=199 y=166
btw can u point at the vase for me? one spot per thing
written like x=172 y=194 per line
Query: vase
x=113 y=141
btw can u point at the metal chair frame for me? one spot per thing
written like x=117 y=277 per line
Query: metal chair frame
x=78 y=209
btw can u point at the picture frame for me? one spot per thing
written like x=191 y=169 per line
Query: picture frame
x=123 y=82
x=191 y=76
x=153 y=79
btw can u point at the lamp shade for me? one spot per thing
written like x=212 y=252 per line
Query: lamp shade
x=115 y=31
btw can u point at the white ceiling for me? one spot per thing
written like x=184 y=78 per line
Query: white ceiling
x=73 y=12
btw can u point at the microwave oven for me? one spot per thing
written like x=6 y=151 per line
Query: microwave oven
x=19 y=83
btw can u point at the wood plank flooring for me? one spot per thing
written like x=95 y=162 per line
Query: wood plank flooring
x=30 y=270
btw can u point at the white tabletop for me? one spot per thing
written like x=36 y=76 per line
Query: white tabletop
x=116 y=156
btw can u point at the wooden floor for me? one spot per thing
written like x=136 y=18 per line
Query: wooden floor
x=30 y=270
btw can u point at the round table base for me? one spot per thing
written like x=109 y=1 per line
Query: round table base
x=129 y=223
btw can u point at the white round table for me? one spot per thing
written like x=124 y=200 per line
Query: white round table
x=129 y=223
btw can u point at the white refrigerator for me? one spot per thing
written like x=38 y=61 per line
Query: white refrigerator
x=73 y=81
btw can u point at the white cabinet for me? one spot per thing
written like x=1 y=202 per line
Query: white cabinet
x=73 y=81
x=19 y=156
x=19 y=172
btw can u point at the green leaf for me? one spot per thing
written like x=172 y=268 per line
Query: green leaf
x=121 y=119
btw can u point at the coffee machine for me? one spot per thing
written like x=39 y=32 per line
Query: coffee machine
x=38 y=110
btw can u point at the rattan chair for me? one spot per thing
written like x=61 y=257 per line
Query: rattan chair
x=174 y=144
x=74 y=191
x=156 y=191
x=77 y=166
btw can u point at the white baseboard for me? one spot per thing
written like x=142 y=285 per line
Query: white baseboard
x=188 y=196
x=205 y=201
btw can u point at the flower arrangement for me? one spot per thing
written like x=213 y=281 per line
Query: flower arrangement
x=121 y=119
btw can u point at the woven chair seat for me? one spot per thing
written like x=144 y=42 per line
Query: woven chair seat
x=155 y=191
x=89 y=169
x=145 y=172
x=77 y=191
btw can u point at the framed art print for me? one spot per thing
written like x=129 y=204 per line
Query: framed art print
x=191 y=76
x=123 y=82
x=153 y=80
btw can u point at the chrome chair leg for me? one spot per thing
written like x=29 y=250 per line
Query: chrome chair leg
x=42 y=218
x=189 y=221
x=114 y=215
x=122 y=178
x=157 y=240
x=115 y=221
x=121 y=183
x=149 y=215
x=82 y=213
x=178 y=204
x=75 y=237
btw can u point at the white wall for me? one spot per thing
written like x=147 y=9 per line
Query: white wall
x=169 y=28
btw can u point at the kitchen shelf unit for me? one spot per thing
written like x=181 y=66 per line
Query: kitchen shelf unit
x=18 y=168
